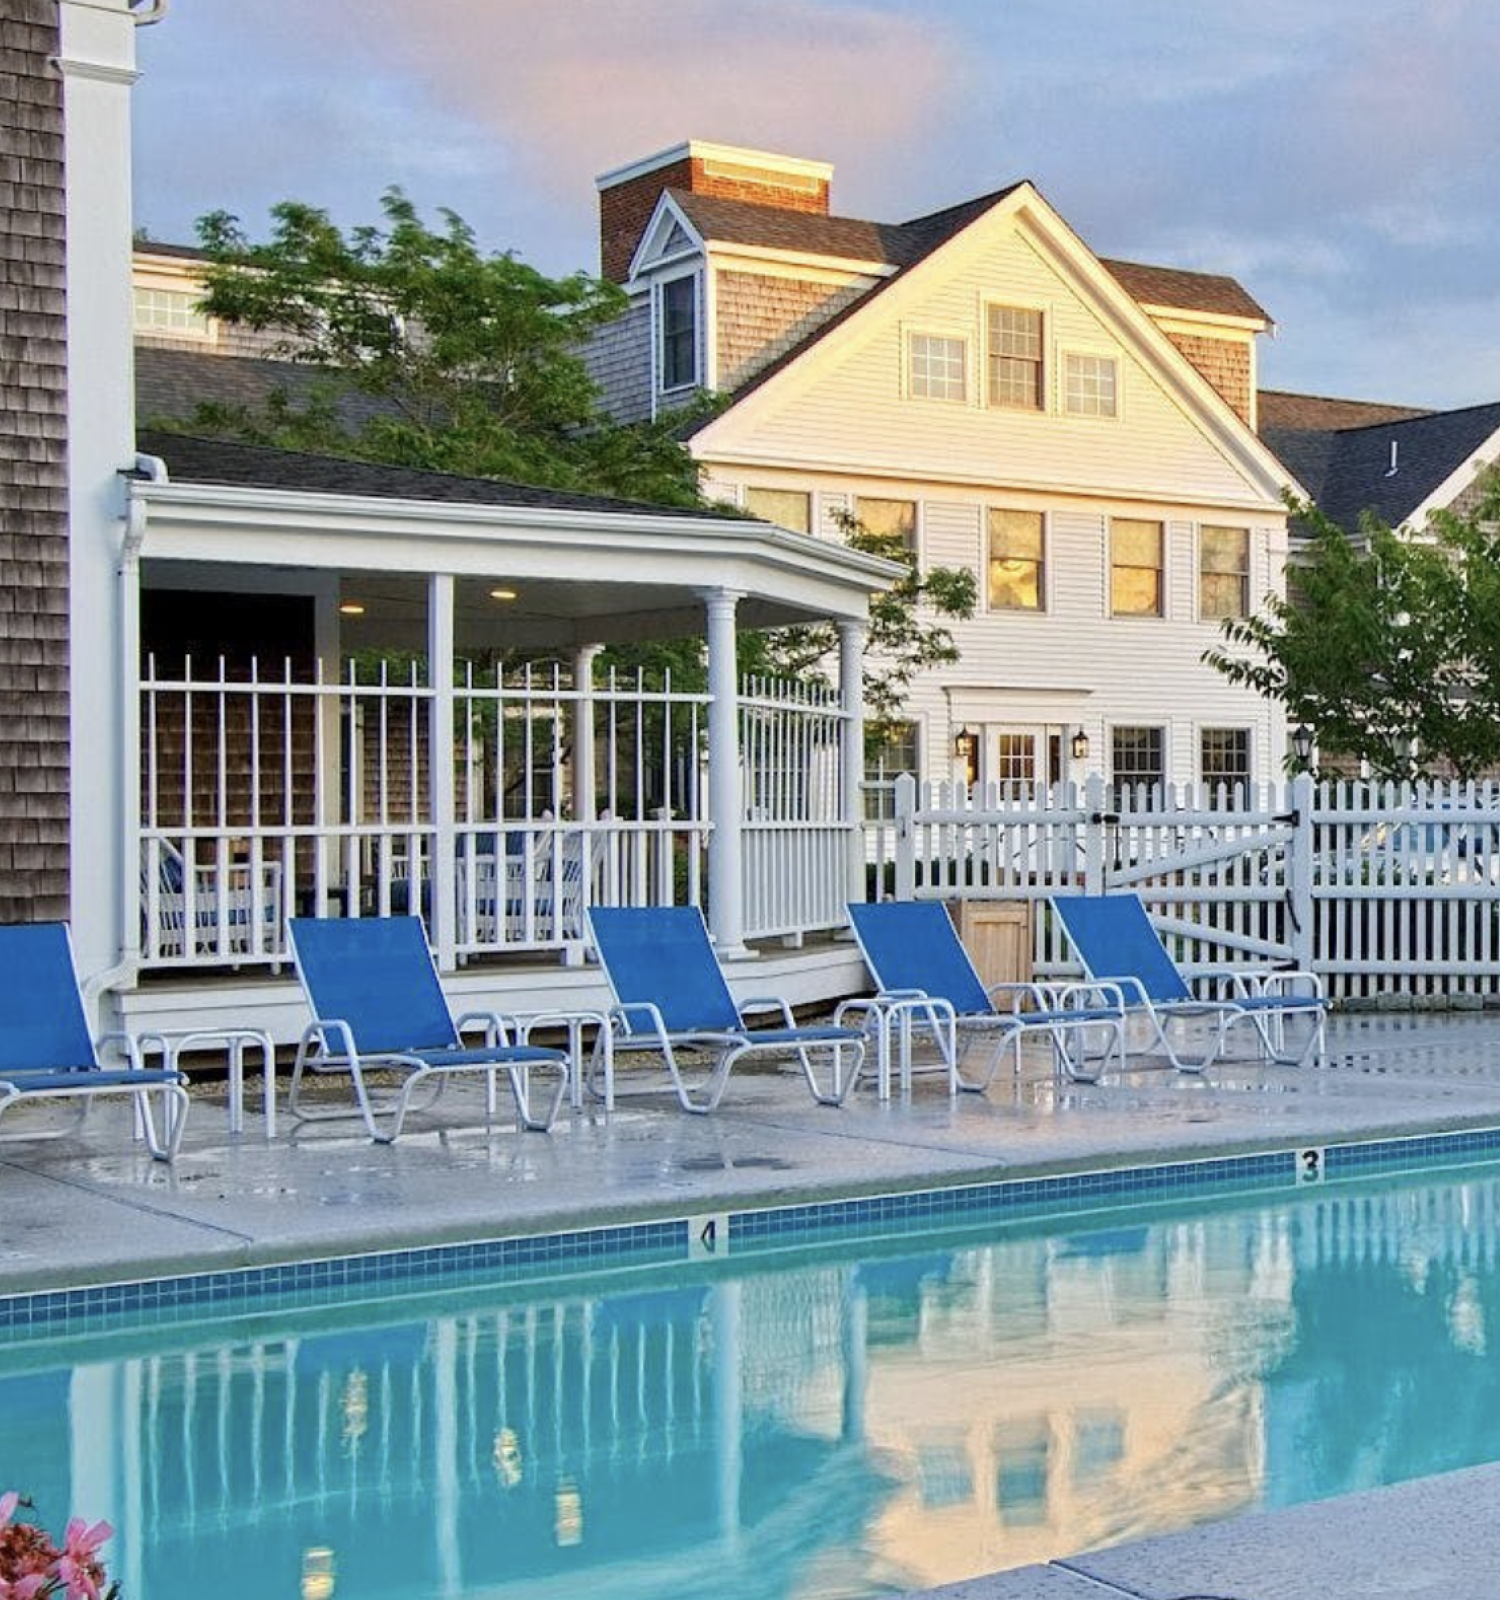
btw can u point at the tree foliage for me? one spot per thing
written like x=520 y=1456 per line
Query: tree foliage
x=458 y=361
x=431 y=354
x=907 y=634
x=1387 y=645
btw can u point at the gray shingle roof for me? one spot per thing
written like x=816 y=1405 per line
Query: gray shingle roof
x=1278 y=408
x=1388 y=468
x=190 y=459
x=170 y=385
x=1184 y=291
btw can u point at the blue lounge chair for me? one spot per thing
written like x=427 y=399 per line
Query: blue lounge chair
x=1116 y=942
x=670 y=994
x=924 y=978
x=376 y=1002
x=46 y=1052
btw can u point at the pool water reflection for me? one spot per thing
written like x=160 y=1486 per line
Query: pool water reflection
x=791 y=1427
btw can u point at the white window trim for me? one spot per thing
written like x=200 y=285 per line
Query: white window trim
x=1045 y=609
x=1249 y=532
x=1227 y=727
x=1165 y=614
x=659 y=389
x=1164 y=728
x=924 y=330
x=1061 y=387
x=1050 y=353
x=918 y=534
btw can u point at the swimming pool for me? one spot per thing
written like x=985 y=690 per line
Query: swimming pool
x=815 y=1417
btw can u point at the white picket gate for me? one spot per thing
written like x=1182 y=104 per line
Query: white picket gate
x=1382 y=889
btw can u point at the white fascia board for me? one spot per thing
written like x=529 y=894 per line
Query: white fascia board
x=666 y=215
x=1058 y=245
x=270 y=527
x=1196 y=398
x=795 y=263
x=1455 y=483
x=892 y=471
x=1173 y=317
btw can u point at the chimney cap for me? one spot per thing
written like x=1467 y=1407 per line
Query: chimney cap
x=794 y=167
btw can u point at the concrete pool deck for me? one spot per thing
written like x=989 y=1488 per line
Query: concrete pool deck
x=89 y=1207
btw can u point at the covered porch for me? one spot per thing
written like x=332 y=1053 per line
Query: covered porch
x=350 y=690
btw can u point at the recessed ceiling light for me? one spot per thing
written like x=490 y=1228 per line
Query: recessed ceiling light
x=351 y=608
x=504 y=594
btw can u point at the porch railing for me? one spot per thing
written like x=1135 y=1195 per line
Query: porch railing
x=265 y=797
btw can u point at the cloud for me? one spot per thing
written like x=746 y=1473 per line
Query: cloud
x=571 y=90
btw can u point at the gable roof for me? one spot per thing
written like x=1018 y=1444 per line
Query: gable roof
x=1392 y=468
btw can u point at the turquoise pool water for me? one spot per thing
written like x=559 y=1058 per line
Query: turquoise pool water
x=841 y=1421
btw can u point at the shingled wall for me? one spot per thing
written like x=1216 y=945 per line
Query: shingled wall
x=33 y=472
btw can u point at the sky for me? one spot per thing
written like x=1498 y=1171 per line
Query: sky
x=1338 y=157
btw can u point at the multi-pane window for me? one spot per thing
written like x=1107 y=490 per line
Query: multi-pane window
x=937 y=367
x=888 y=519
x=884 y=763
x=1224 y=756
x=1223 y=572
x=1015 y=357
x=169 y=311
x=787 y=508
x=1015 y=760
x=1090 y=386
x=1135 y=568
x=1137 y=756
x=679 y=333
x=1016 y=561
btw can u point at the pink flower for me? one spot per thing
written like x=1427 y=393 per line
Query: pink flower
x=77 y=1567
x=24 y=1588
x=8 y=1503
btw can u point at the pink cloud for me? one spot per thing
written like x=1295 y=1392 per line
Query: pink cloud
x=572 y=90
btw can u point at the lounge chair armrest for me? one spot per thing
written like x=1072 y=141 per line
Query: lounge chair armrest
x=1040 y=995
x=495 y=1028
x=624 y=1020
x=866 y=1007
x=1105 y=996
x=767 y=1005
x=1298 y=984
x=127 y=1045
x=321 y=1030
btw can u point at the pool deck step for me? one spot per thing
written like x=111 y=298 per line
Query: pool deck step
x=1434 y=1539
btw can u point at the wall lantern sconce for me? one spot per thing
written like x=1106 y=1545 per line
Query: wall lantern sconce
x=1080 y=746
x=965 y=744
x=1302 y=746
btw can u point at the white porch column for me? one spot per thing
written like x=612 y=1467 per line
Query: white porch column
x=726 y=855
x=851 y=800
x=442 y=926
x=583 y=732
x=96 y=57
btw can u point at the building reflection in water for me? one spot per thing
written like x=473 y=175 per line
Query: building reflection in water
x=811 y=1426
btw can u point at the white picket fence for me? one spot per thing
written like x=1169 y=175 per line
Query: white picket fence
x=1380 y=888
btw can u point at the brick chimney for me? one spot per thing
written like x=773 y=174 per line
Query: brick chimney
x=628 y=195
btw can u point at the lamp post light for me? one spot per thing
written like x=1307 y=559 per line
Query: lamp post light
x=1302 y=746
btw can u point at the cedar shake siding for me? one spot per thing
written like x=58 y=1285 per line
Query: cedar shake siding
x=33 y=473
x=1226 y=365
x=762 y=317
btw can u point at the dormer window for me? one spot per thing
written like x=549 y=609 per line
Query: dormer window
x=677 y=332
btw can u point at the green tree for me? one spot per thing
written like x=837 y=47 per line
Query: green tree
x=1387 y=645
x=908 y=630
x=466 y=362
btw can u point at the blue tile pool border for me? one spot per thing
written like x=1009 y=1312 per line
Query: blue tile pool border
x=536 y=1258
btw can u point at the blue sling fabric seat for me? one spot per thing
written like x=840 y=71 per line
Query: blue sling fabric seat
x=670 y=993
x=924 y=978
x=376 y=1001
x=1115 y=940
x=47 y=1052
